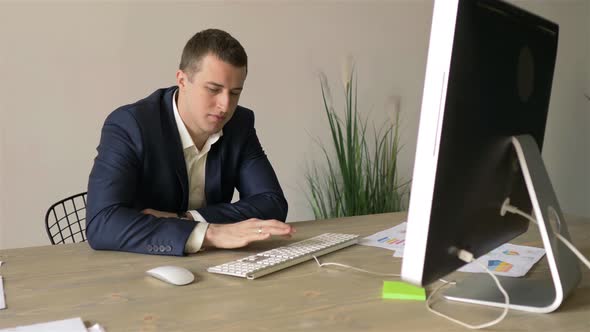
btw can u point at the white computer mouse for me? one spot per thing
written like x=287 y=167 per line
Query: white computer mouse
x=175 y=275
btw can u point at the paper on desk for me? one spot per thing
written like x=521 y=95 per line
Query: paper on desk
x=66 y=325
x=507 y=260
x=2 y=301
x=391 y=239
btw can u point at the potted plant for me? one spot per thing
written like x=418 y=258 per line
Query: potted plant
x=360 y=174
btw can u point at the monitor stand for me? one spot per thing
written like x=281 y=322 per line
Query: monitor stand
x=533 y=295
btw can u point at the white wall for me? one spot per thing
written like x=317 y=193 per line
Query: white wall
x=65 y=66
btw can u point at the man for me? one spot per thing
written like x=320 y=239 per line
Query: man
x=167 y=165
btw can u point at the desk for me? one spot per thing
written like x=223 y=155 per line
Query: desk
x=111 y=288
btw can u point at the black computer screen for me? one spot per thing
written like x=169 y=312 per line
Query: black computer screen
x=497 y=85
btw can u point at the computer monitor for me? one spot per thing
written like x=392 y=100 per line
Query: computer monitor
x=484 y=110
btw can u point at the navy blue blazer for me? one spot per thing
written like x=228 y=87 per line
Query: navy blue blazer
x=140 y=164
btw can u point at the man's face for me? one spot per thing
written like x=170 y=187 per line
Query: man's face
x=208 y=101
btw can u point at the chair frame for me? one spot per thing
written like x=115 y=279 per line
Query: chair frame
x=72 y=218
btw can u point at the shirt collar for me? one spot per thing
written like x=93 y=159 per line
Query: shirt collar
x=185 y=137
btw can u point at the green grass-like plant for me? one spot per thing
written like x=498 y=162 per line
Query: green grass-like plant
x=360 y=175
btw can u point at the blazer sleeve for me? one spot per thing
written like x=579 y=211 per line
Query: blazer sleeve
x=113 y=223
x=261 y=195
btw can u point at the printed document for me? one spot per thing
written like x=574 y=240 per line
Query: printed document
x=66 y=325
x=507 y=260
x=391 y=239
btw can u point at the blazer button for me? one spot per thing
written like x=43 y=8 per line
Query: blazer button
x=149 y=247
x=168 y=248
x=162 y=248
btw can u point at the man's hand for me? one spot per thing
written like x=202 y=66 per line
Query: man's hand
x=240 y=234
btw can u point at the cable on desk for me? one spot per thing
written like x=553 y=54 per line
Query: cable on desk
x=506 y=207
x=355 y=268
x=468 y=258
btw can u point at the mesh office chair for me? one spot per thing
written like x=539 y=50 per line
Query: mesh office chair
x=65 y=220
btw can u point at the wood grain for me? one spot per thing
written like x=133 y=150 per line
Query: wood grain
x=112 y=289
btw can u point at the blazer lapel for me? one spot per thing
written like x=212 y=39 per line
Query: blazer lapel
x=173 y=145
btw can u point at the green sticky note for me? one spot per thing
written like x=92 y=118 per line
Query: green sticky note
x=402 y=291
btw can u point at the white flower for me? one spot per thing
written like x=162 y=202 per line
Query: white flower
x=393 y=102
x=347 y=67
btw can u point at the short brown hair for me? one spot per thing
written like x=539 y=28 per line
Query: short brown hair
x=212 y=41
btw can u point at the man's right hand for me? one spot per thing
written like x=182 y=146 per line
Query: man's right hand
x=240 y=234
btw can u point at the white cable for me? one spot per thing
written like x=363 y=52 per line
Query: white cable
x=507 y=207
x=371 y=272
x=574 y=250
x=463 y=254
x=356 y=269
x=513 y=209
x=447 y=282
x=468 y=257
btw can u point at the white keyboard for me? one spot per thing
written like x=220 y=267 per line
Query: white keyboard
x=266 y=262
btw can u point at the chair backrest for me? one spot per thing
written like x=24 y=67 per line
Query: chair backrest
x=65 y=220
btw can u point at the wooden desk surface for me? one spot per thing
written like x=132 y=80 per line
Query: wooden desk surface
x=111 y=288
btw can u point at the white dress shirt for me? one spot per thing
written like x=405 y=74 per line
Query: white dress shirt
x=195 y=161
